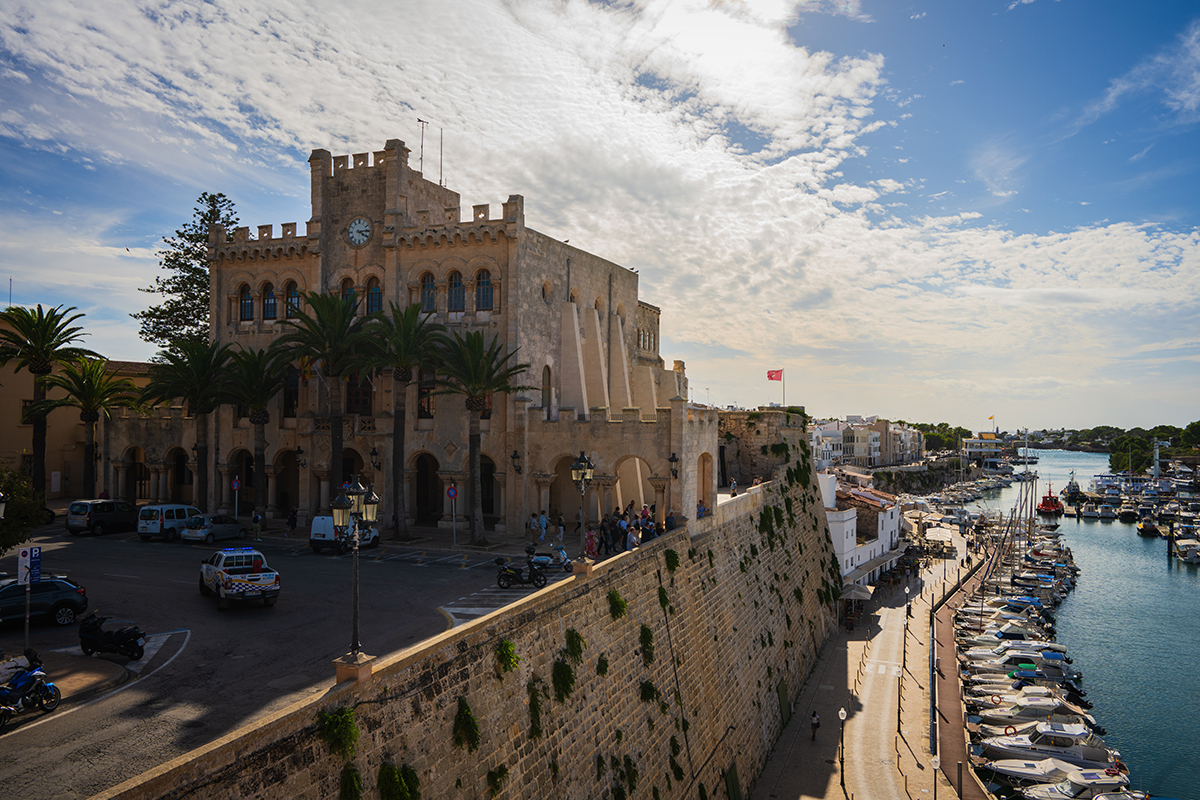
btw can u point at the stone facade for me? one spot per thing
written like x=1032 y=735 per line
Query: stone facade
x=755 y=443
x=382 y=232
x=722 y=625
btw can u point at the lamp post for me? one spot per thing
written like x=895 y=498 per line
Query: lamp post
x=581 y=474
x=842 y=749
x=354 y=508
x=936 y=763
x=3 y=502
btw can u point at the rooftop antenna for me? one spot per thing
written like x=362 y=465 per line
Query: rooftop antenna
x=423 y=125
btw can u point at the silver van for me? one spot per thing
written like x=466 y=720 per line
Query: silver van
x=165 y=520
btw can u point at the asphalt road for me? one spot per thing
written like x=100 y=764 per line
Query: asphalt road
x=216 y=670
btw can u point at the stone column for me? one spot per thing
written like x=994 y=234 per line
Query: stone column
x=194 y=468
x=501 y=507
x=542 y=480
x=155 y=472
x=117 y=467
x=323 y=494
x=226 y=502
x=270 y=489
x=660 y=498
x=604 y=485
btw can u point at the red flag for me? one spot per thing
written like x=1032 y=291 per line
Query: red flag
x=774 y=374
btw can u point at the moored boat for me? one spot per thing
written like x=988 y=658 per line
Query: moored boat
x=1050 y=506
x=1072 y=743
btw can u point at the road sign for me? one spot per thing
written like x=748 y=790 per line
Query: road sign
x=29 y=565
x=346 y=486
x=451 y=492
x=235 y=484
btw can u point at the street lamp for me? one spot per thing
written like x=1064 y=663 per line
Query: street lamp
x=674 y=462
x=516 y=459
x=842 y=748
x=582 y=471
x=350 y=509
x=3 y=502
x=936 y=763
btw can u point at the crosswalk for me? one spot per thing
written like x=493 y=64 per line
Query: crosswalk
x=485 y=601
x=154 y=643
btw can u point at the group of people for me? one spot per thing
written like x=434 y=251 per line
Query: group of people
x=621 y=531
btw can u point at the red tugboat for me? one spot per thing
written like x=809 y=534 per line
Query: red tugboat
x=1050 y=506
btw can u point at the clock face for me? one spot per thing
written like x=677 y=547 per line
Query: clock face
x=359 y=231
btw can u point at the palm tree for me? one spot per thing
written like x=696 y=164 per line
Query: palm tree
x=409 y=342
x=195 y=372
x=338 y=342
x=95 y=390
x=254 y=379
x=38 y=340
x=477 y=370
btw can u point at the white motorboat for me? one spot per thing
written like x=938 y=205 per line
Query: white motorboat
x=1047 y=709
x=1009 y=648
x=1073 y=743
x=1080 y=785
x=1023 y=772
x=1106 y=511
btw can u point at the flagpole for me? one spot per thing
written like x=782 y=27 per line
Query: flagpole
x=783 y=382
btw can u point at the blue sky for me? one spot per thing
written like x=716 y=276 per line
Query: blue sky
x=933 y=211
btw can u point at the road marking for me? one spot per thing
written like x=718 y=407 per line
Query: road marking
x=478 y=604
x=115 y=575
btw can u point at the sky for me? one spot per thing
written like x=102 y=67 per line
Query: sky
x=930 y=211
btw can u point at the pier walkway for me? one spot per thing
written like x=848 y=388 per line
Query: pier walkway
x=867 y=671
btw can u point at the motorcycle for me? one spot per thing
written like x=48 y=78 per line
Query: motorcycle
x=129 y=642
x=26 y=689
x=545 y=560
x=509 y=574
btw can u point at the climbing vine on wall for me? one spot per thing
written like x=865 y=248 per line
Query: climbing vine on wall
x=506 y=655
x=616 y=604
x=647 y=640
x=563 y=678
x=339 y=731
x=466 y=727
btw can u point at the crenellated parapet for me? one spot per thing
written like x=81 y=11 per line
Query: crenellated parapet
x=239 y=248
x=447 y=228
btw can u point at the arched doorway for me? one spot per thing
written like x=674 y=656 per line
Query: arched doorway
x=426 y=490
x=287 y=482
x=352 y=466
x=181 y=482
x=487 y=488
x=633 y=484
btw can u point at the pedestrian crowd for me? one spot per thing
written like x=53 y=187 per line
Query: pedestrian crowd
x=621 y=531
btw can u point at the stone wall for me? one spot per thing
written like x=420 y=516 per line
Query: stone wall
x=756 y=443
x=721 y=626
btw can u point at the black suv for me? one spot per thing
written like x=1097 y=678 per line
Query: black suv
x=61 y=599
x=98 y=516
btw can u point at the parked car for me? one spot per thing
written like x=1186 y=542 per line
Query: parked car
x=60 y=599
x=99 y=516
x=164 y=520
x=208 y=528
x=238 y=573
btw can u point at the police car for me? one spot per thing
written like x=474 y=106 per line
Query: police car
x=238 y=573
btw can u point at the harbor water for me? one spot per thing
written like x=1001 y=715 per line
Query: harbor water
x=1133 y=626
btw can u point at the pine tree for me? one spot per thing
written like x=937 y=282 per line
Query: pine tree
x=182 y=315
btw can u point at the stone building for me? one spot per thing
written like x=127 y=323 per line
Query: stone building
x=381 y=232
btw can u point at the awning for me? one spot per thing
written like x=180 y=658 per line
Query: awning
x=935 y=535
x=866 y=569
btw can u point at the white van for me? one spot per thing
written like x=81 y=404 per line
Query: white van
x=164 y=520
x=324 y=535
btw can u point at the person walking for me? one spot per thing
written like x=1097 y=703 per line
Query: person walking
x=256 y=521
x=291 y=522
x=816 y=723
x=562 y=527
x=533 y=527
x=542 y=525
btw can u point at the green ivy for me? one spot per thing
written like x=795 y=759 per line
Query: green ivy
x=676 y=770
x=672 y=559
x=466 y=727
x=650 y=692
x=339 y=731
x=602 y=665
x=647 y=639
x=563 y=678
x=534 y=690
x=398 y=784
x=674 y=746
x=710 y=559
x=631 y=774
x=663 y=599
x=350 y=787
x=506 y=655
x=616 y=604
x=496 y=778
x=574 y=648
x=703 y=792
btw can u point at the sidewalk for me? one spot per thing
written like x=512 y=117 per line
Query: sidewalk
x=886 y=754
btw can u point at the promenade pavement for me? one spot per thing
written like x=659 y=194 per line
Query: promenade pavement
x=879 y=673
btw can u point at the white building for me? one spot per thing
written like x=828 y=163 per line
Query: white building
x=865 y=527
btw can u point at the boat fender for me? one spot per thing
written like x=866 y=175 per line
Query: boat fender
x=995 y=699
x=1010 y=731
x=1112 y=771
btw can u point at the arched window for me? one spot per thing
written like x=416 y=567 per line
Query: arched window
x=348 y=290
x=293 y=299
x=268 y=300
x=546 y=390
x=483 y=290
x=245 y=304
x=427 y=294
x=456 y=299
x=374 y=296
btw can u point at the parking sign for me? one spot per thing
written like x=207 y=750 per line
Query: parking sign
x=29 y=565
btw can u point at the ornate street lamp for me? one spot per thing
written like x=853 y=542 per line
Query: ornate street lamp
x=936 y=763
x=842 y=748
x=516 y=459
x=582 y=471
x=674 y=462
x=3 y=502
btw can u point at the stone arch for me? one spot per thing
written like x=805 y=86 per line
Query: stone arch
x=621 y=312
x=547 y=290
x=425 y=489
x=599 y=305
x=135 y=475
x=240 y=463
x=179 y=480
x=285 y=485
x=245 y=303
x=456 y=291
x=352 y=465
x=633 y=471
x=574 y=298
x=427 y=292
x=484 y=262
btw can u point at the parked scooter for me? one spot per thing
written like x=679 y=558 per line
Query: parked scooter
x=546 y=560
x=129 y=642
x=28 y=688
x=510 y=574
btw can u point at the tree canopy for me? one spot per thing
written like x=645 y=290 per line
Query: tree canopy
x=182 y=314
